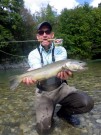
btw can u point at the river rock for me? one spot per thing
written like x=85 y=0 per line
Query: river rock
x=98 y=121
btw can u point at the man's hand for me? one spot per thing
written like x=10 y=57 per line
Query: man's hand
x=65 y=74
x=28 y=80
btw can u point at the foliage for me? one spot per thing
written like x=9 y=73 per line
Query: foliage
x=80 y=28
x=46 y=14
x=16 y=24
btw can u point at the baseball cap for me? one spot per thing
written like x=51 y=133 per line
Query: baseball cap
x=45 y=23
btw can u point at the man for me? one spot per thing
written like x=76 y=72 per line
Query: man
x=54 y=90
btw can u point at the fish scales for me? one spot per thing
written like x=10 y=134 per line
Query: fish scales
x=47 y=71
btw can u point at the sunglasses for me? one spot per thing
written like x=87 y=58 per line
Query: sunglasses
x=41 y=32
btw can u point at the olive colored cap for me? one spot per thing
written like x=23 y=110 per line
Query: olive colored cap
x=45 y=23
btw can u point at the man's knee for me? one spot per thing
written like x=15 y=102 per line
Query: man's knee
x=44 y=126
x=87 y=103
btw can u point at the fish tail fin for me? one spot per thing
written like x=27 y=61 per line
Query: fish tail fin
x=14 y=82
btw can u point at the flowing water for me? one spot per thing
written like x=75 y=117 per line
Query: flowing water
x=17 y=111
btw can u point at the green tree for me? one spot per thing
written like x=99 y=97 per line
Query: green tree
x=10 y=24
x=77 y=27
x=46 y=14
x=99 y=5
x=10 y=19
x=96 y=33
x=16 y=23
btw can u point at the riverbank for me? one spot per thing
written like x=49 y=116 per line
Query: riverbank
x=17 y=110
x=18 y=65
x=18 y=115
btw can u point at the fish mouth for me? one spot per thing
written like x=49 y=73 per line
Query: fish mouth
x=84 y=65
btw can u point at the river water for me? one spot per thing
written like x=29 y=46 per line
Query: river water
x=17 y=111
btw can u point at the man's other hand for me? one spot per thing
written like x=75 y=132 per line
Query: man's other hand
x=28 y=80
x=65 y=74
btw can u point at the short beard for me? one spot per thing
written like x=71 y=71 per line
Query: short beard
x=47 y=47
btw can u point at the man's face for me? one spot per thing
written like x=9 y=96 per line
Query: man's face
x=43 y=35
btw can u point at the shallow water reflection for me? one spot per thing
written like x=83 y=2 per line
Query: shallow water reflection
x=17 y=110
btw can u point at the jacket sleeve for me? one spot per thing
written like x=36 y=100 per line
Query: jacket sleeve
x=60 y=53
x=34 y=59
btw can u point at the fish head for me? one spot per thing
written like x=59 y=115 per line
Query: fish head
x=75 y=65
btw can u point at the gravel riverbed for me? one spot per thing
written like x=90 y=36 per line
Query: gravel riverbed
x=17 y=114
x=17 y=111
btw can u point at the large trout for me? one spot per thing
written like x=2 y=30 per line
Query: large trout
x=48 y=71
